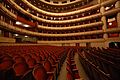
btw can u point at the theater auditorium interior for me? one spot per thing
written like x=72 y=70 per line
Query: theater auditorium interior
x=59 y=39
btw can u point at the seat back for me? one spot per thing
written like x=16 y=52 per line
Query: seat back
x=20 y=68
x=19 y=60
x=31 y=62
x=69 y=76
x=39 y=72
x=47 y=65
x=6 y=64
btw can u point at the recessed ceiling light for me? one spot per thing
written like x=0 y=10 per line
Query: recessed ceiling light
x=26 y=25
x=18 y=23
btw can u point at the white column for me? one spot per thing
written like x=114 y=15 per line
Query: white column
x=103 y=19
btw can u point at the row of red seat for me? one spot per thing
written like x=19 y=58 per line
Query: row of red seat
x=31 y=62
x=72 y=71
x=101 y=64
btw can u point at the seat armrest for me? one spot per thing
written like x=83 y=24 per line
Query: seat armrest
x=56 y=61
x=51 y=77
x=73 y=64
x=72 y=60
x=79 y=79
x=50 y=72
x=75 y=70
x=58 y=58
x=54 y=66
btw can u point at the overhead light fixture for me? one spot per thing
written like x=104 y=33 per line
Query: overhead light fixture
x=26 y=36
x=59 y=18
x=51 y=17
x=18 y=23
x=26 y=25
x=110 y=23
x=8 y=6
x=16 y=34
x=107 y=8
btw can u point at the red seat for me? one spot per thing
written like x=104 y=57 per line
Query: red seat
x=40 y=73
x=72 y=65
x=5 y=65
x=49 y=68
x=69 y=76
x=74 y=73
x=16 y=55
x=54 y=64
x=28 y=76
x=20 y=68
x=6 y=58
x=38 y=59
x=31 y=62
x=19 y=60
x=27 y=56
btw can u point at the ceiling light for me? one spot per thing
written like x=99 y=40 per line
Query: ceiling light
x=110 y=23
x=16 y=34
x=97 y=10
x=71 y=16
x=26 y=25
x=54 y=18
x=59 y=18
x=8 y=6
x=107 y=8
x=28 y=10
x=18 y=23
x=26 y=36
x=76 y=15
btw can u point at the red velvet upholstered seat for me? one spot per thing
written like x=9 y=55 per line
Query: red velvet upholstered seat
x=49 y=68
x=73 y=73
x=20 y=68
x=69 y=76
x=5 y=65
x=31 y=62
x=19 y=60
x=40 y=73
